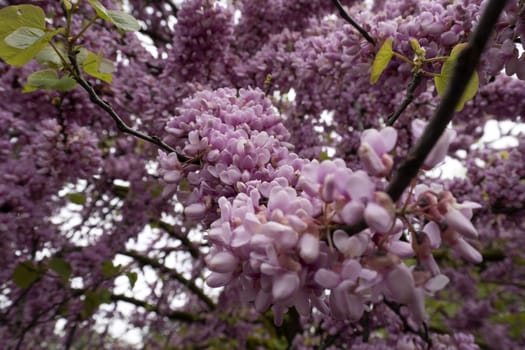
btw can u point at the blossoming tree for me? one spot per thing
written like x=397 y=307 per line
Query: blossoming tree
x=261 y=174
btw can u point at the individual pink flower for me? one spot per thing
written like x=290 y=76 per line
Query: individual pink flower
x=440 y=150
x=374 y=148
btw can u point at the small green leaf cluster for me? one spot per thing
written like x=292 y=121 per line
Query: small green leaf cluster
x=23 y=33
x=26 y=273
x=24 y=37
x=93 y=299
x=442 y=80
x=109 y=270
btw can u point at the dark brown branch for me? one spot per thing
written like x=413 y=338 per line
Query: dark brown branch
x=172 y=232
x=172 y=315
x=422 y=333
x=353 y=23
x=173 y=7
x=145 y=260
x=416 y=79
x=182 y=316
x=467 y=62
x=121 y=125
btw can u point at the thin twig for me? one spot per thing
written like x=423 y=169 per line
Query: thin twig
x=145 y=260
x=423 y=334
x=172 y=232
x=409 y=97
x=467 y=62
x=353 y=23
x=172 y=315
x=121 y=125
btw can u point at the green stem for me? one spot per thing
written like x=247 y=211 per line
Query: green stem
x=398 y=55
x=83 y=30
x=62 y=58
x=436 y=59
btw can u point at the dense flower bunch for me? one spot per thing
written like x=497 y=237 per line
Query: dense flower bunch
x=229 y=141
x=270 y=196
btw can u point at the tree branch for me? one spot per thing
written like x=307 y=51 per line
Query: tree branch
x=145 y=260
x=353 y=23
x=170 y=229
x=172 y=315
x=121 y=125
x=467 y=62
x=409 y=97
x=182 y=316
x=423 y=334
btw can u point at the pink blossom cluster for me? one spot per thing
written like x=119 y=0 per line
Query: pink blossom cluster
x=229 y=140
x=284 y=244
x=283 y=231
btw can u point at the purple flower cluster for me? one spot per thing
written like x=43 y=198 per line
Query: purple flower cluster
x=230 y=140
x=275 y=244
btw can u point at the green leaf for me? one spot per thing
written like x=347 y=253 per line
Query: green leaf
x=110 y=270
x=12 y=18
x=93 y=299
x=67 y=4
x=383 y=57
x=77 y=198
x=48 y=57
x=24 y=37
x=98 y=67
x=19 y=56
x=49 y=80
x=124 y=21
x=416 y=47
x=132 y=277
x=323 y=156
x=25 y=274
x=101 y=11
x=61 y=267
x=442 y=80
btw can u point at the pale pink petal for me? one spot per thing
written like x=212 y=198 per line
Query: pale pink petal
x=338 y=304
x=433 y=233
x=216 y=279
x=359 y=186
x=378 y=218
x=371 y=161
x=460 y=223
x=400 y=284
x=416 y=306
x=351 y=270
x=285 y=285
x=301 y=303
x=357 y=245
x=467 y=252
x=436 y=283
x=222 y=262
x=263 y=300
x=309 y=247
x=374 y=138
x=278 y=314
x=326 y=278
x=402 y=249
x=340 y=239
x=355 y=307
x=352 y=212
x=195 y=210
x=389 y=137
